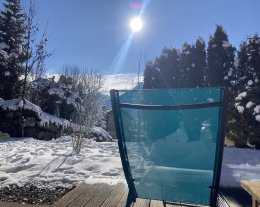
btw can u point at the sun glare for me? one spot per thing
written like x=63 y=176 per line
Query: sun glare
x=136 y=24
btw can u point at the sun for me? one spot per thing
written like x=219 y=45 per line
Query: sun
x=136 y=24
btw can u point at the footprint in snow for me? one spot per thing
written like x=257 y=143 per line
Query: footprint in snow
x=18 y=168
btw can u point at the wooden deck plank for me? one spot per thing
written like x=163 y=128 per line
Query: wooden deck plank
x=70 y=196
x=98 y=192
x=155 y=203
x=122 y=201
x=90 y=191
x=115 y=196
x=100 y=196
x=173 y=205
x=141 y=203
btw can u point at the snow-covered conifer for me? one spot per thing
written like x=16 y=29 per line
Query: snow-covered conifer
x=220 y=58
x=12 y=50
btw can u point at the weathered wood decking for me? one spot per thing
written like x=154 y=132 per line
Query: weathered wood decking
x=99 y=192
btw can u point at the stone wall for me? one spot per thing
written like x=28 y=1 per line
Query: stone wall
x=10 y=122
x=24 y=119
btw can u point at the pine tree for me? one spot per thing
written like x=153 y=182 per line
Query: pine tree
x=165 y=65
x=153 y=77
x=186 y=65
x=176 y=69
x=12 y=52
x=199 y=55
x=220 y=58
x=245 y=123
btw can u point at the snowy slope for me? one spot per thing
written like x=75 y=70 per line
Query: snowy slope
x=52 y=163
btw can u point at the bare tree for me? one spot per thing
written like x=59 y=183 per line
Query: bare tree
x=142 y=59
x=87 y=84
x=35 y=53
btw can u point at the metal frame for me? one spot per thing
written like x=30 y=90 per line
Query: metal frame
x=219 y=150
x=122 y=149
x=116 y=105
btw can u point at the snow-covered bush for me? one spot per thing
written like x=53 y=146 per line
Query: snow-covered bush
x=57 y=98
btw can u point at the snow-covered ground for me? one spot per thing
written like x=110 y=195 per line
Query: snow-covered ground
x=52 y=163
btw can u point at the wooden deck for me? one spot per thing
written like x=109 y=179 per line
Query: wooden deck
x=99 y=192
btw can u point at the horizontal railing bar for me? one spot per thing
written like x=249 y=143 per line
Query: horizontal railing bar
x=170 y=107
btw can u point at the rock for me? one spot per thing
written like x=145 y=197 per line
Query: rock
x=9 y=114
x=45 y=135
x=29 y=122
x=30 y=132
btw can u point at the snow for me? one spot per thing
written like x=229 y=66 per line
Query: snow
x=240 y=109
x=4 y=54
x=57 y=91
x=239 y=164
x=48 y=118
x=45 y=118
x=250 y=82
x=241 y=96
x=3 y=45
x=257 y=117
x=52 y=163
x=71 y=101
x=16 y=104
x=257 y=109
x=165 y=54
x=236 y=62
x=7 y=73
x=193 y=65
x=249 y=104
x=230 y=72
x=226 y=44
x=201 y=40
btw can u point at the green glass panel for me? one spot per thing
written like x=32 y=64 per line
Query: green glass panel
x=171 y=153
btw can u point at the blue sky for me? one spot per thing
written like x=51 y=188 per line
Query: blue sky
x=91 y=33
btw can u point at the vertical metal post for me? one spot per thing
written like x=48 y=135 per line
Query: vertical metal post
x=219 y=149
x=114 y=95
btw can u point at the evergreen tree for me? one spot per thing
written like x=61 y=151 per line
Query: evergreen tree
x=12 y=52
x=193 y=64
x=152 y=76
x=165 y=64
x=186 y=66
x=176 y=69
x=199 y=55
x=244 y=127
x=220 y=58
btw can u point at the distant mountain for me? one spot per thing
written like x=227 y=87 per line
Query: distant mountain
x=120 y=81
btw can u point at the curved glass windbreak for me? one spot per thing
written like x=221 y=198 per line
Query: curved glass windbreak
x=171 y=152
x=171 y=96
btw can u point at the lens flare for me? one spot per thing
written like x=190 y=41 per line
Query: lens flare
x=136 y=24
